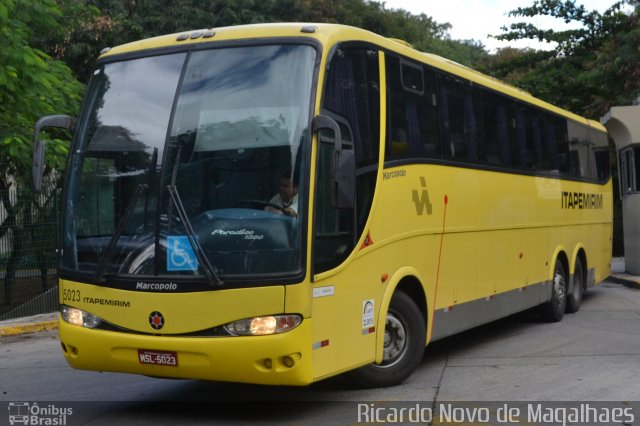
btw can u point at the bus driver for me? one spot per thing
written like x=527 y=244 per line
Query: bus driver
x=287 y=198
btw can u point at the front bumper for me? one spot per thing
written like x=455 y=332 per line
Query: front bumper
x=281 y=359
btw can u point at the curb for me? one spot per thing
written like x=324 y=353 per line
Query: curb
x=28 y=325
x=14 y=330
x=626 y=281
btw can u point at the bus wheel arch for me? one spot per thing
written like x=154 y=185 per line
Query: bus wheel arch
x=402 y=333
x=578 y=285
x=553 y=310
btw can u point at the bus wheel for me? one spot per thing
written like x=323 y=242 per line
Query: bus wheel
x=404 y=342
x=575 y=298
x=553 y=310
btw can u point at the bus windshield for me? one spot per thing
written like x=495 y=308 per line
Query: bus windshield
x=191 y=164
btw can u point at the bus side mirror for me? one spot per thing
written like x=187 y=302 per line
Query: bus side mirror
x=343 y=166
x=37 y=166
x=38 y=160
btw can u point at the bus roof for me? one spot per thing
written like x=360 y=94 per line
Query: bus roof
x=328 y=34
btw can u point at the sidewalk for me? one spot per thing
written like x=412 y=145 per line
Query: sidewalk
x=43 y=322
x=619 y=276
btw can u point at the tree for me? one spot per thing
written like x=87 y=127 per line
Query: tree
x=591 y=67
x=31 y=84
x=113 y=22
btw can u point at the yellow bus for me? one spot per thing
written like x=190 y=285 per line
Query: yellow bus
x=282 y=203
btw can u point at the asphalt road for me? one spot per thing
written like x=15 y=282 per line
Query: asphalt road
x=593 y=355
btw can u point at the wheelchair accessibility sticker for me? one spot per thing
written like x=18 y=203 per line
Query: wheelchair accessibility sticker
x=180 y=254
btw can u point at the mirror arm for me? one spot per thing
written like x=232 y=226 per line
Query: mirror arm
x=62 y=121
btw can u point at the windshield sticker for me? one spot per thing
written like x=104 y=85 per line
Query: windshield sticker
x=180 y=254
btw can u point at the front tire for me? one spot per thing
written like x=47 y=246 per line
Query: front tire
x=404 y=342
x=553 y=310
x=574 y=299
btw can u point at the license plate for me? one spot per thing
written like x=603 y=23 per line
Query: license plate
x=158 y=357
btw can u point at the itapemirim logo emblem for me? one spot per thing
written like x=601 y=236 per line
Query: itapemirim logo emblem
x=156 y=320
x=27 y=413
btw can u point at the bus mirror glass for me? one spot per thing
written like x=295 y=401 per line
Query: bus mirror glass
x=343 y=175
x=37 y=166
x=343 y=179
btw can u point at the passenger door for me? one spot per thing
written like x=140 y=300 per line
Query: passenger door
x=351 y=98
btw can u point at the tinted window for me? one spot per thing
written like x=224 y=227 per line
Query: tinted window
x=579 y=149
x=412 y=117
x=460 y=119
x=431 y=114
x=499 y=119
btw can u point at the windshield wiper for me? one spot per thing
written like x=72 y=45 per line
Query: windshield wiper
x=102 y=266
x=209 y=270
x=152 y=169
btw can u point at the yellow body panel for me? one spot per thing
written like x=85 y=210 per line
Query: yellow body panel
x=183 y=312
x=502 y=233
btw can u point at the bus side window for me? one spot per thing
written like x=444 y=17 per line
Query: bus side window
x=525 y=155
x=601 y=156
x=460 y=120
x=412 y=118
x=452 y=113
x=579 y=149
x=498 y=119
x=555 y=141
x=397 y=123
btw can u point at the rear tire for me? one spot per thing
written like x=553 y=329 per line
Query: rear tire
x=404 y=342
x=553 y=310
x=574 y=299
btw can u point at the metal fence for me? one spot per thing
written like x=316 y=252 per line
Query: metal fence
x=29 y=241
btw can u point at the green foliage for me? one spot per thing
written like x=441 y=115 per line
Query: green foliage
x=594 y=27
x=32 y=84
x=113 y=22
x=592 y=67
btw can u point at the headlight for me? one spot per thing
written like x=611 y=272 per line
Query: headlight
x=79 y=317
x=261 y=326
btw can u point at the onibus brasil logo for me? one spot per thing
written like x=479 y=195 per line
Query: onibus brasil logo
x=26 y=413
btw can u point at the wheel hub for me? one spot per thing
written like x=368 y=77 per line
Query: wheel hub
x=395 y=340
x=559 y=287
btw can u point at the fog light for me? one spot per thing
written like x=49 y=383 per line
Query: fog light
x=261 y=326
x=288 y=361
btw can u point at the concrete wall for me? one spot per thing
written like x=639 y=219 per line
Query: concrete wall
x=623 y=124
